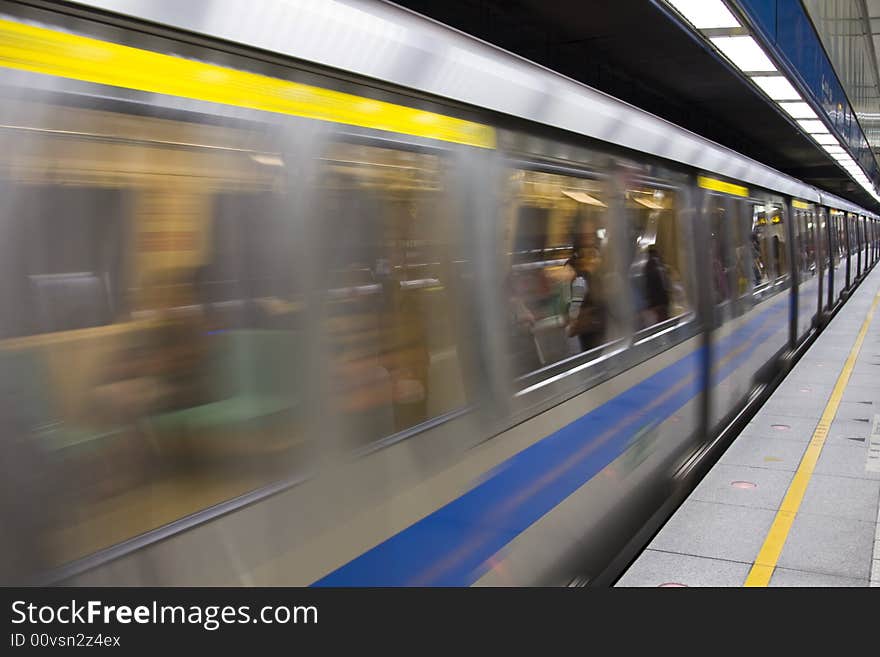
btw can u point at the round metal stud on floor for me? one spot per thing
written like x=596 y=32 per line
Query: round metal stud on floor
x=743 y=484
x=780 y=427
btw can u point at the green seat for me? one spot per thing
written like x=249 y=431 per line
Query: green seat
x=26 y=382
x=253 y=376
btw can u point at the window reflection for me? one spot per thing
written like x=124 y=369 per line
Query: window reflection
x=717 y=212
x=388 y=272
x=561 y=272
x=656 y=256
x=768 y=242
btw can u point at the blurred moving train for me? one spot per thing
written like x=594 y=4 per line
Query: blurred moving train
x=331 y=294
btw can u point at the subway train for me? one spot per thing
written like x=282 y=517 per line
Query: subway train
x=330 y=294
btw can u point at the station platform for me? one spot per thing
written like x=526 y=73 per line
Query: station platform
x=794 y=500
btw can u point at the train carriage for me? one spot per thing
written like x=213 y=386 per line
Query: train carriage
x=291 y=317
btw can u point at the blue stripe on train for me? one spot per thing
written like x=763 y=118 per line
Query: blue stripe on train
x=451 y=546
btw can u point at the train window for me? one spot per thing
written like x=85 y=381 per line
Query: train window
x=66 y=256
x=810 y=241
x=561 y=273
x=768 y=241
x=840 y=228
x=804 y=225
x=745 y=270
x=120 y=232
x=720 y=210
x=657 y=258
x=853 y=234
x=390 y=266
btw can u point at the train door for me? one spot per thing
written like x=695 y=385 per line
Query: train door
x=876 y=237
x=806 y=266
x=863 y=259
x=769 y=231
x=849 y=250
x=719 y=212
x=750 y=273
x=837 y=262
x=871 y=246
x=873 y=241
x=856 y=248
x=392 y=270
x=820 y=241
x=829 y=253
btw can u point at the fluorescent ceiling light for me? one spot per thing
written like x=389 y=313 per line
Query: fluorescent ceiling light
x=826 y=140
x=705 y=14
x=834 y=150
x=812 y=127
x=744 y=52
x=777 y=87
x=799 y=110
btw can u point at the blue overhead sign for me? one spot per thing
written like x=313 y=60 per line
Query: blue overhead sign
x=786 y=29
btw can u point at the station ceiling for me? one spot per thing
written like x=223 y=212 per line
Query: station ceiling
x=633 y=50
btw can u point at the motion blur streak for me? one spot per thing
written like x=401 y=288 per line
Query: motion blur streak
x=270 y=322
x=50 y=52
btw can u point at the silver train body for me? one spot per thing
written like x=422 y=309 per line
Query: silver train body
x=330 y=294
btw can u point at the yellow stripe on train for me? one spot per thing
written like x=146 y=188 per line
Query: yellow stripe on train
x=49 y=52
x=720 y=186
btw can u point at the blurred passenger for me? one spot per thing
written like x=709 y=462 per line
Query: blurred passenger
x=719 y=272
x=757 y=263
x=589 y=322
x=656 y=281
x=777 y=256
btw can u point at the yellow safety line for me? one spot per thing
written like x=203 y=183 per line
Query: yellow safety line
x=50 y=52
x=764 y=565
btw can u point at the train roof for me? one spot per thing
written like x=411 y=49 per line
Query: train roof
x=385 y=42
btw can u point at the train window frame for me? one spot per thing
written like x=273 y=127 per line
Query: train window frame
x=541 y=377
x=538 y=390
x=649 y=334
x=807 y=236
x=781 y=272
x=445 y=153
